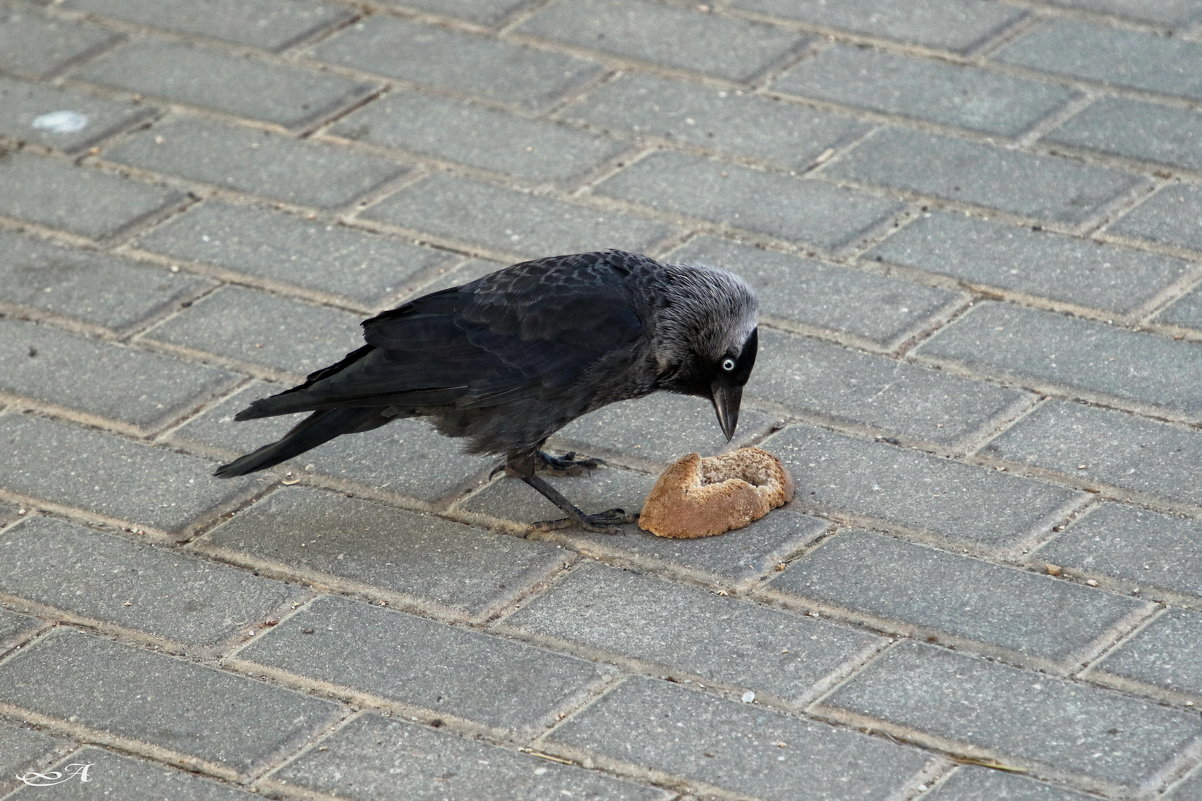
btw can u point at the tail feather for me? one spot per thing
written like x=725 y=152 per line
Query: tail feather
x=273 y=406
x=314 y=430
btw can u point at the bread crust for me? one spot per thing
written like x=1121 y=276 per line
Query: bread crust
x=701 y=497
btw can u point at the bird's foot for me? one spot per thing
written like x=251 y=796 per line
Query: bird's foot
x=567 y=465
x=606 y=522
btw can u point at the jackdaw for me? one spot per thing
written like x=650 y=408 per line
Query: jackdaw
x=510 y=358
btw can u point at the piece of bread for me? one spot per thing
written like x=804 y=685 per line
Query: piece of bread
x=698 y=497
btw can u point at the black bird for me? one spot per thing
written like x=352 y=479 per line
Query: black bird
x=510 y=358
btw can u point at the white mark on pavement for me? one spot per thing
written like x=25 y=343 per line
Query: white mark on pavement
x=61 y=122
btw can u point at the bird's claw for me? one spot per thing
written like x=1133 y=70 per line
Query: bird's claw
x=606 y=522
x=567 y=465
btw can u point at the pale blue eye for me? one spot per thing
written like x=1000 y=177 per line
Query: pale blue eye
x=728 y=364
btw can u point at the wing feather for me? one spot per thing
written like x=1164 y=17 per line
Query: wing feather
x=529 y=329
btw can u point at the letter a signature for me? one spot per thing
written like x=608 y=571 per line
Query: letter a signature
x=35 y=779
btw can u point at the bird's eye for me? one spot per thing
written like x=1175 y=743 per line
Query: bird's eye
x=728 y=364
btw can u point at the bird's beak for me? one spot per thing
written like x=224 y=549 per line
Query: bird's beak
x=726 y=398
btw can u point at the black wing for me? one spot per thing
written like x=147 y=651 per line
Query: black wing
x=527 y=329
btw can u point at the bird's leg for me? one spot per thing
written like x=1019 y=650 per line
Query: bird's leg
x=567 y=464
x=601 y=523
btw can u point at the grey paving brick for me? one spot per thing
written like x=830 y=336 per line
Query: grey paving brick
x=532 y=150
x=933 y=91
x=731 y=122
x=88 y=285
x=680 y=628
x=254 y=327
x=122 y=778
x=978 y=784
x=1137 y=130
x=720 y=45
x=957 y=25
x=32 y=43
x=431 y=560
x=1037 y=616
x=198 y=76
x=360 y=267
x=407 y=457
x=530 y=225
x=1185 y=312
x=660 y=429
x=1166 y=12
x=726 y=194
x=56 y=194
x=483 y=12
x=256 y=162
x=460 y=62
x=880 y=309
x=736 y=746
x=738 y=558
x=134 y=585
x=1133 y=544
x=388 y=758
x=65 y=119
x=153 y=698
x=1018 y=715
x=1170 y=217
x=447 y=670
x=93 y=377
x=22 y=750
x=899 y=397
x=1107 y=447
x=1168 y=654
x=997 y=254
x=607 y=488
x=109 y=475
x=258 y=23
x=1083 y=356
x=954 y=501
x=1026 y=184
x=14 y=627
x=1112 y=56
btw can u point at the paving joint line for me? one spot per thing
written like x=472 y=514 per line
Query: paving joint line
x=991 y=42
x=1047 y=11
x=1145 y=313
x=227 y=277
x=965 y=752
x=922 y=331
x=934 y=202
x=1178 y=768
x=896 y=629
x=293 y=50
x=1086 y=668
x=306 y=132
x=971 y=442
x=1022 y=553
x=1103 y=491
x=805 y=51
x=313 y=740
x=1054 y=119
x=928 y=780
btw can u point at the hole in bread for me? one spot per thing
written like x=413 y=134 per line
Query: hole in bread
x=718 y=469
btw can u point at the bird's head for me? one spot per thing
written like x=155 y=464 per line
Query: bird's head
x=707 y=338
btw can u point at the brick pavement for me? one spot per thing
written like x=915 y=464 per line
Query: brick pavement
x=975 y=226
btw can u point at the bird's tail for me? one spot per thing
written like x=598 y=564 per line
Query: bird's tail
x=315 y=429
